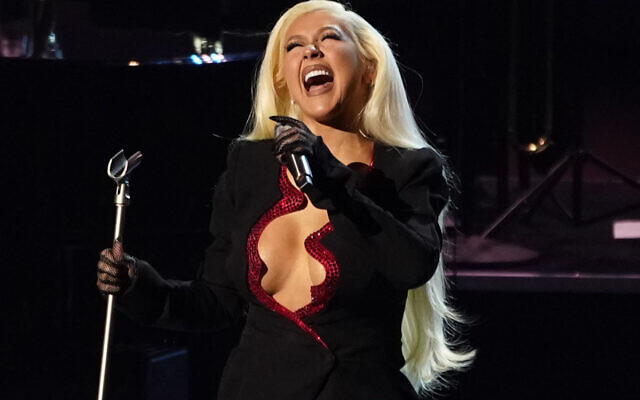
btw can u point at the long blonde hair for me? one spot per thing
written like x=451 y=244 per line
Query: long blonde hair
x=386 y=118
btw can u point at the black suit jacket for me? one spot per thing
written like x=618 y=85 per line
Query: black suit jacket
x=386 y=240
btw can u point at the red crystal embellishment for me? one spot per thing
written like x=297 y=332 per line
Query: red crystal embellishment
x=293 y=200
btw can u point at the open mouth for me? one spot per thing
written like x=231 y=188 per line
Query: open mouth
x=316 y=77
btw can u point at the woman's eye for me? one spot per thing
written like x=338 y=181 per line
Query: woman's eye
x=330 y=35
x=292 y=45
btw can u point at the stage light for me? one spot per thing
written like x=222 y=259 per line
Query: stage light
x=133 y=63
x=540 y=145
x=206 y=58
x=217 y=47
x=218 y=58
x=198 y=43
x=195 y=59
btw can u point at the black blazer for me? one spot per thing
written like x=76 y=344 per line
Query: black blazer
x=386 y=240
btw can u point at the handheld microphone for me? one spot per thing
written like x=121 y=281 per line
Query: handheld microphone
x=299 y=167
x=297 y=164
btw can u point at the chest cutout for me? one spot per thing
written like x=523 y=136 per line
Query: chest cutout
x=291 y=271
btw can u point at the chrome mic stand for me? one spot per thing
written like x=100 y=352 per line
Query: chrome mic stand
x=119 y=169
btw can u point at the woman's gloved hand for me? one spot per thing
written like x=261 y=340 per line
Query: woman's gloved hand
x=115 y=270
x=292 y=137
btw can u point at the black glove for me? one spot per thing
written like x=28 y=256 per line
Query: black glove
x=292 y=137
x=115 y=270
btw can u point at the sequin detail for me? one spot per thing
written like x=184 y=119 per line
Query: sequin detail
x=293 y=200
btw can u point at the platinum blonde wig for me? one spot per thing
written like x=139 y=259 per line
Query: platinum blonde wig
x=386 y=118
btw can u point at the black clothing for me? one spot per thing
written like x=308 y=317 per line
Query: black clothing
x=386 y=241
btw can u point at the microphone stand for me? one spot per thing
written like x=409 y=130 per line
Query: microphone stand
x=119 y=169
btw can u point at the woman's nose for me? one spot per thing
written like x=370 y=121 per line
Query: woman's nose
x=311 y=51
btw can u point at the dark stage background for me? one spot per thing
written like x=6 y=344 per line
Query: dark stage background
x=480 y=99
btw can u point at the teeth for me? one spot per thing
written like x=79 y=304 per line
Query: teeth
x=317 y=72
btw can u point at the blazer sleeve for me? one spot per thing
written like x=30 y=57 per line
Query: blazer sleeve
x=402 y=234
x=208 y=302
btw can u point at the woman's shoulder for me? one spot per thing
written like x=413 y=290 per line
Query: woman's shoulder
x=249 y=152
x=405 y=161
x=242 y=145
x=416 y=168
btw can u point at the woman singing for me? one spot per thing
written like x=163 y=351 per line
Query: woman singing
x=340 y=280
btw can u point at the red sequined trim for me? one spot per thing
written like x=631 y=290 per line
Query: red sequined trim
x=292 y=200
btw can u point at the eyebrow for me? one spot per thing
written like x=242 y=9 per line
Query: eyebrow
x=324 y=28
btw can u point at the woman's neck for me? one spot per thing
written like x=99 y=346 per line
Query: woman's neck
x=346 y=146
